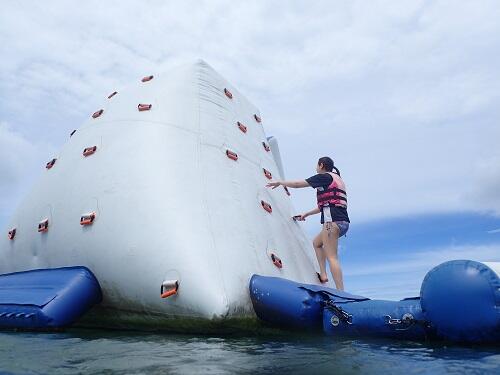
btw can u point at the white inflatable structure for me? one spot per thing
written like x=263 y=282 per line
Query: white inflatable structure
x=162 y=192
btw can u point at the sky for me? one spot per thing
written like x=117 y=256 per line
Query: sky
x=403 y=95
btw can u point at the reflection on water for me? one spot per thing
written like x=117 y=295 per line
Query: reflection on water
x=112 y=352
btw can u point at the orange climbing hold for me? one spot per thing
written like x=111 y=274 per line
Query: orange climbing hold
x=169 y=288
x=87 y=219
x=97 y=113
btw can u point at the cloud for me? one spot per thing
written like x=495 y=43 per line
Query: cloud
x=403 y=96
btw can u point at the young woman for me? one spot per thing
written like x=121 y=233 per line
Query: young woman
x=332 y=204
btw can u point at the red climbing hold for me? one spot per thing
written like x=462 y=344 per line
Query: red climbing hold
x=144 y=107
x=12 y=233
x=147 y=78
x=87 y=219
x=232 y=155
x=257 y=118
x=266 y=146
x=267 y=174
x=97 y=113
x=89 y=151
x=242 y=127
x=50 y=164
x=43 y=226
x=228 y=93
x=277 y=261
x=266 y=206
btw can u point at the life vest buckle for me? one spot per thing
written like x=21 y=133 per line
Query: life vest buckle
x=87 y=219
x=169 y=288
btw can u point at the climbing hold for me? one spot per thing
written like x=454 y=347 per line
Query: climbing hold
x=89 y=151
x=257 y=118
x=43 y=226
x=242 y=127
x=97 y=113
x=267 y=173
x=112 y=94
x=266 y=146
x=144 y=107
x=87 y=219
x=12 y=233
x=286 y=190
x=147 y=78
x=277 y=261
x=266 y=206
x=232 y=155
x=169 y=288
x=73 y=132
x=50 y=164
x=228 y=93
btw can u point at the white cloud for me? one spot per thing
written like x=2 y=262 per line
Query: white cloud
x=403 y=95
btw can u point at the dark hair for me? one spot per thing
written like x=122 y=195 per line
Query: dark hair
x=327 y=163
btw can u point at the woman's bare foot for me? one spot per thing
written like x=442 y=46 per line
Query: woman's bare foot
x=322 y=281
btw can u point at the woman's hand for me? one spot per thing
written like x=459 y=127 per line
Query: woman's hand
x=274 y=185
x=301 y=217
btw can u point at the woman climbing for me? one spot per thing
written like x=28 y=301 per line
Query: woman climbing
x=332 y=204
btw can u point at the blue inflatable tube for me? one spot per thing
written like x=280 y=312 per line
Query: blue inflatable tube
x=459 y=302
x=47 y=299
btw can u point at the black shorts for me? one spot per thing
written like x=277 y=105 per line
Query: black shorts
x=333 y=213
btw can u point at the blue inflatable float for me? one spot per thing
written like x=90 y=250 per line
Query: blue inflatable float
x=459 y=301
x=47 y=299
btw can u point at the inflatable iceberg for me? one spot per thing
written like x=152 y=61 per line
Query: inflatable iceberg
x=161 y=193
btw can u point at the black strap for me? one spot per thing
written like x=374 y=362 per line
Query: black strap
x=334 y=197
x=334 y=190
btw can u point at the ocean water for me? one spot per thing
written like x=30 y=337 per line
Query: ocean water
x=80 y=351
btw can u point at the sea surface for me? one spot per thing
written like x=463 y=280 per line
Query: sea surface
x=79 y=351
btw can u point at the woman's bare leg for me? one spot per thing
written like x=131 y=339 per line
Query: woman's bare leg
x=330 y=237
x=320 y=255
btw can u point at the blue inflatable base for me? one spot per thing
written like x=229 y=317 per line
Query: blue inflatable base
x=47 y=299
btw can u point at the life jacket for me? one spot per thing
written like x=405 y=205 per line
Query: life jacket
x=332 y=195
